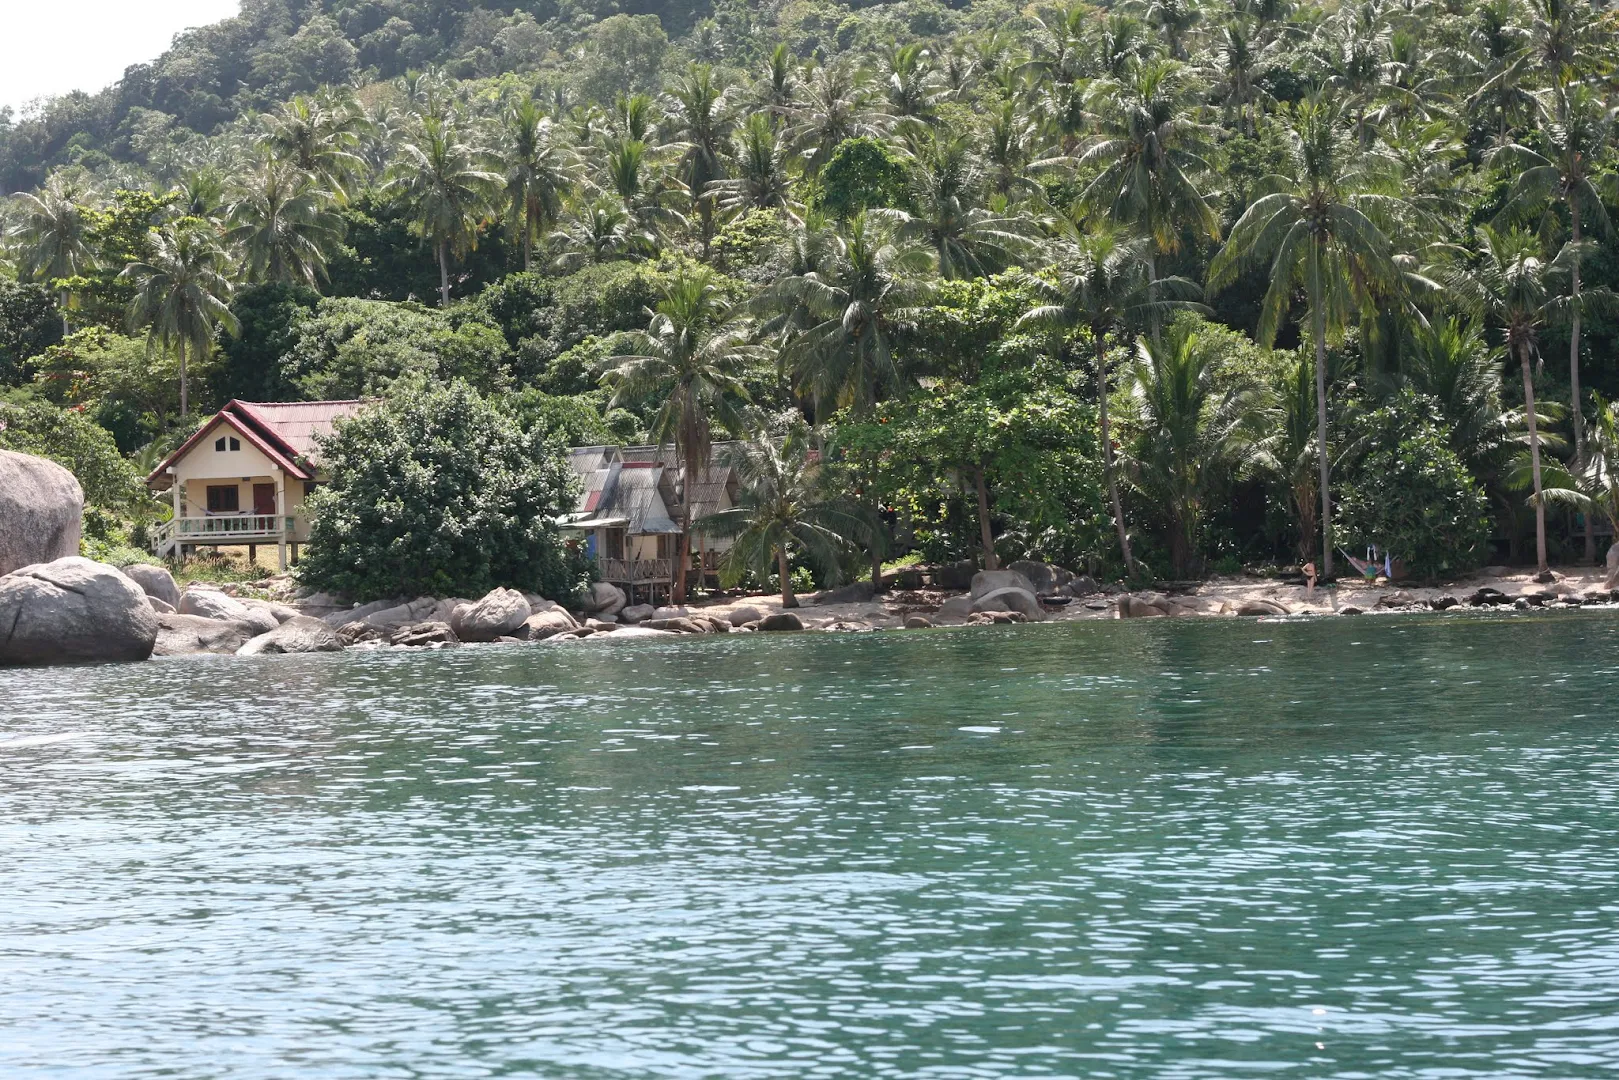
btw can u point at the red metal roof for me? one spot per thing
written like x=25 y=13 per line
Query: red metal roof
x=283 y=431
x=297 y=423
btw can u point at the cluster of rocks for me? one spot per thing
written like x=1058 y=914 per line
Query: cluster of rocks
x=1558 y=595
x=508 y=616
x=76 y=610
x=1053 y=584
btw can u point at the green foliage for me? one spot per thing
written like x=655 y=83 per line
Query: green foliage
x=1030 y=432
x=577 y=421
x=855 y=177
x=437 y=491
x=129 y=387
x=748 y=245
x=248 y=366
x=1408 y=492
x=358 y=348
x=544 y=318
x=862 y=173
x=122 y=233
x=82 y=447
x=29 y=324
x=623 y=55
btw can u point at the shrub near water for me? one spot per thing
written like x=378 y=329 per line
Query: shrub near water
x=1410 y=494
x=437 y=492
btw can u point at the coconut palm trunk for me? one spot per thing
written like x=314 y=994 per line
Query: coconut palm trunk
x=1574 y=372
x=990 y=562
x=1107 y=456
x=788 y=600
x=1534 y=459
x=1318 y=328
x=185 y=411
x=685 y=541
x=443 y=273
x=528 y=239
x=1153 y=319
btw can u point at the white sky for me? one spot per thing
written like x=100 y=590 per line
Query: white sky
x=53 y=46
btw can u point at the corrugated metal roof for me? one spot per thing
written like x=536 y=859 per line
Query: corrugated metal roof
x=638 y=484
x=635 y=496
x=708 y=491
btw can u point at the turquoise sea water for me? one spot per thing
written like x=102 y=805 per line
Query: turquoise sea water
x=1353 y=847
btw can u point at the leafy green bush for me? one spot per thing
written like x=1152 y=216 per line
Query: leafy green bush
x=862 y=173
x=357 y=348
x=1408 y=492
x=438 y=492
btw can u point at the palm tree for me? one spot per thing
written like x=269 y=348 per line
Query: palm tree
x=539 y=172
x=635 y=116
x=1239 y=58
x=1570 y=173
x=777 y=88
x=786 y=511
x=1101 y=285
x=1512 y=284
x=202 y=193
x=1448 y=360
x=1189 y=425
x=1350 y=51
x=441 y=181
x=835 y=105
x=968 y=240
x=1175 y=20
x=1013 y=147
x=1316 y=229
x=602 y=231
x=284 y=224
x=1288 y=451
x=687 y=359
x=1498 y=44
x=55 y=237
x=182 y=295
x=1600 y=477
x=912 y=86
x=702 y=117
x=761 y=181
x=1148 y=153
x=321 y=135
x=845 y=315
x=644 y=188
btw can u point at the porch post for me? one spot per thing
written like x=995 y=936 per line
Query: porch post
x=281 y=519
x=174 y=527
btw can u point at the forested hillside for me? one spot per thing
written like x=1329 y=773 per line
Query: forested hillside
x=1096 y=285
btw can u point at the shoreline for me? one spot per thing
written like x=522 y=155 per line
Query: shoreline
x=1225 y=597
x=1261 y=599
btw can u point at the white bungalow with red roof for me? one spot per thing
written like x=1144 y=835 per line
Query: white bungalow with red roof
x=242 y=478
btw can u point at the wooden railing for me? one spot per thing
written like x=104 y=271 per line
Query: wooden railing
x=637 y=571
x=203 y=530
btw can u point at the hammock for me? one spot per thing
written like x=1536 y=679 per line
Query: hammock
x=1370 y=567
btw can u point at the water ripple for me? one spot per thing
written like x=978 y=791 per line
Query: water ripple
x=1131 y=850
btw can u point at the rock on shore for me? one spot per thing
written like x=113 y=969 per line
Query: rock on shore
x=188 y=635
x=300 y=634
x=41 y=511
x=156 y=581
x=73 y=610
